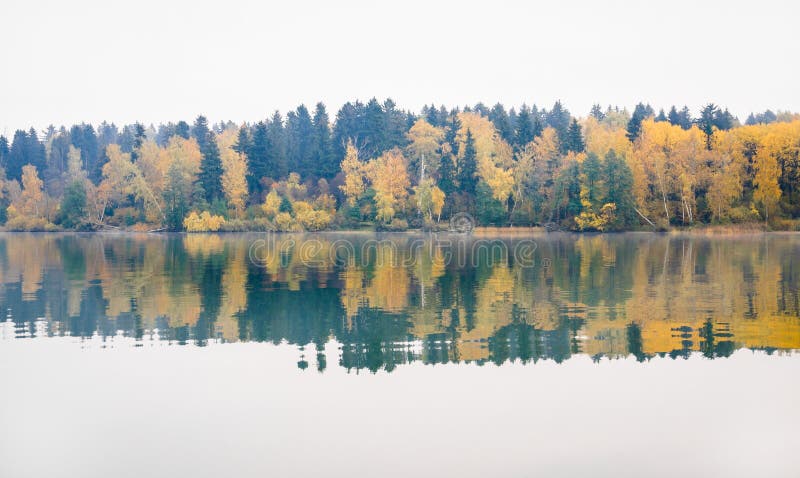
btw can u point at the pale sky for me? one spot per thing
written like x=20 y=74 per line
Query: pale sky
x=159 y=61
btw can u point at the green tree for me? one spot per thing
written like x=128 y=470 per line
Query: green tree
x=574 y=140
x=73 y=205
x=176 y=197
x=210 y=176
x=640 y=113
x=618 y=180
x=467 y=179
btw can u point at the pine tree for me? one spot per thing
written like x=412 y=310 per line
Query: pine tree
x=299 y=147
x=618 y=180
x=210 y=176
x=276 y=159
x=182 y=129
x=597 y=112
x=73 y=205
x=3 y=152
x=322 y=158
x=502 y=123
x=574 y=140
x=680 y=118
x=257 y=159
x=467 y=179
x=706 y=122
x=394 y=124
x=200 y=131
x=558 y=118
x=25 y=149
x=524 y=133
x=448 y=173
x=590 y=169
x=139 y=136
x=640 y=113
x=176 y=192
x=374 y=122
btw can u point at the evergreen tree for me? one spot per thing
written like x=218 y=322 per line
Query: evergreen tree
x=182 y=129
x=394 y=122
x=210 y=176
x=591 y=177
x=524 y=133
x=488 y=210
x=574 y=140
x=84 y=138
x=299 y=148
x=3 y=152
x=448 y=173
x=766 y=117
x=706 y=122
x=597 y=112
x=257 y=158
x=467 y=179
x=374 y=124
x=431 y=115
x=538 y=120
x=661 y=117
x=618 y=180
x=73 y=205
x=277 y=162
x=17 y=155
x=724 y=120
x=177 y=192
x=682 y=118
x=139 y=136
x=558 y=118
x=322 y=159
x=502 y=123
x=25 y=149
x=481 y=109
x=640 y=113
x=200 y=131
x=567 y=191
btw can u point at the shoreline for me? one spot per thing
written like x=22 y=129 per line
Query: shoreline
x=482 y=231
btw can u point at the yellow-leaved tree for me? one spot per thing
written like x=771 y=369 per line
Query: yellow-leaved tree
x=495 y=158
x=234 y=171
x=28 y=210
x=424 y=147
x=353 y=170
x=767 y=190
x=389 y=178
x=203 y=222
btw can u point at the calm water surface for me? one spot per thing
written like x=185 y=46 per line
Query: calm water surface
x=399 y=355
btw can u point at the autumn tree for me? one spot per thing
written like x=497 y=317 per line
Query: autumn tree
x=767 y=191
x=389 y=178
x=234 y=169
x=424 y=149
x=353 y=170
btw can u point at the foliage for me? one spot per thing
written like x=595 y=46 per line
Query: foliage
x=203 y=222
x=375 y=164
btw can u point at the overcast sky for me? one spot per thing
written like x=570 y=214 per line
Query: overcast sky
x=154 y=61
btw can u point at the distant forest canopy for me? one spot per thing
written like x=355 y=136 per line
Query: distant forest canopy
x=378 y=166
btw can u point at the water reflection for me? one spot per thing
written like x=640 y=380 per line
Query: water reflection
x=403 y=299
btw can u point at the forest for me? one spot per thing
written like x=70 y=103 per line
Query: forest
x=376 y=166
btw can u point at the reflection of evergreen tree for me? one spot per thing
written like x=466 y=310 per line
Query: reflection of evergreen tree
x=634 y=335
x=210 y=290
x=371 y=341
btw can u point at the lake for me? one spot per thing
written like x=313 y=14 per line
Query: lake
x=361 y=354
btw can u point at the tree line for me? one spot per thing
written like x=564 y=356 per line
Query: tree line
x=375 y=165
